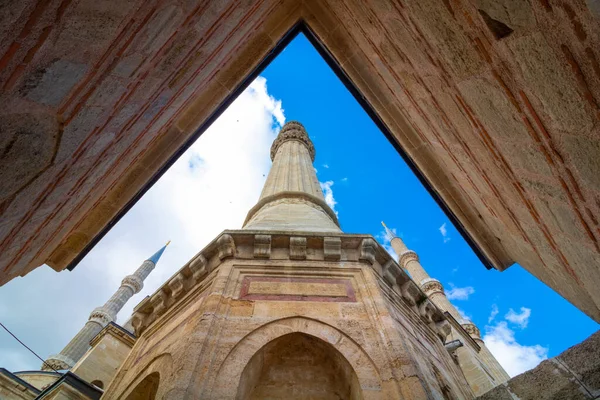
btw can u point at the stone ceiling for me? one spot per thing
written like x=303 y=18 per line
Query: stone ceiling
x=495 y=103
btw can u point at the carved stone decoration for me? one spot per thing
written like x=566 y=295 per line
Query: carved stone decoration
x=443 y=329
x=158 y=302
x=471 y=329
x=297 y=248
x=293 y=131
x=367 y=250
x=226 y=246
x=135 y=283
x=100 y=316
x=407 y=257
x=391 y=272
x=427 y=310
x=431 y=286
x=57 y=362
x=410 y=293
x=176 y=286
x=332 y=248
x=198 y=267
x=262 y=246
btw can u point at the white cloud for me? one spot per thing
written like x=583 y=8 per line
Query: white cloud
x=328 y=192
x=457 y=293
x=513 y=356
x=444 y=232
x=463 y=314
x=519 y=319
x=493 y=313
x=210 y=188
x=345 y=179
x=325 y=166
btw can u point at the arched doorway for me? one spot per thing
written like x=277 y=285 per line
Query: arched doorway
x=298 y=366
x=146 y=389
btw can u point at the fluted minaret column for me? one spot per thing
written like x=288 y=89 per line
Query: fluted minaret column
x=292 y=199
x=101 y=316
x=409 y=260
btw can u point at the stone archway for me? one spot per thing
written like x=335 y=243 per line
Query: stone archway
x=340 y=349
x=146 y=389
x=298 y=366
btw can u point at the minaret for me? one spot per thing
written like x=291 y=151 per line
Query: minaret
x=409 y=260
x=292 y=199
x=101 y=316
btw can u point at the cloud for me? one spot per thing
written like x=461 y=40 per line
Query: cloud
x=513 y=356
x=463 y=314
x=328 y=192
x=519 y=319
x=345 y=179
x=444 y=233
x=325 y=166
x=210 y=188
x=383 y=238
x=493 y=313
x=456 y=293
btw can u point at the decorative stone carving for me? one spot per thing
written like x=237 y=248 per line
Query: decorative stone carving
x=226 y=246
x=410 y=293
x=135 y=283
x=407 y=257
x=57 y=362
x=431 y=286
x=332 y=248
x=427 y=310
x=101 y=316
x=293 y=131
x=367 y=250
x=391 y=272
x=198 y=267
x=262 y=246
x=471 y=329
x=158 y=302
x=443 y=329
x=297 y=248
x=176 y=286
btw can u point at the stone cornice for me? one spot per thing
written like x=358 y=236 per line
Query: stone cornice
x=115 y=331
x=293 y=131
x=300 y=247
x=292 y=195
x=459 y=328
x=431 y=286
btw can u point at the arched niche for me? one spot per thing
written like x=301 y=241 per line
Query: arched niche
x=298 y=366
x=98 y=384
x=146 y=389
x=339 y=347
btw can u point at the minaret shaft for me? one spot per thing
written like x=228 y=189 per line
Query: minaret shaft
x=101 y=316
x=292 y=199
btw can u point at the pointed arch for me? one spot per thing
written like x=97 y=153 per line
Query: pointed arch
x=232 y=368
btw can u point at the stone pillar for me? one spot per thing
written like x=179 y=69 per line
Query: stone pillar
x=101 y=316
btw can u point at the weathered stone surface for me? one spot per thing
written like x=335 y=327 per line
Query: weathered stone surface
x=480 y=94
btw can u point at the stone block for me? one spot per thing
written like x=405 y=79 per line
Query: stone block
x=262 y=246
x=497 y=393
x=332 y=248
x=297 y=248
x=584 y=361
x=50 y=84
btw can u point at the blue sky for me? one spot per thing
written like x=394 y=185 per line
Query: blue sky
x=219 y=178
x=371 y=183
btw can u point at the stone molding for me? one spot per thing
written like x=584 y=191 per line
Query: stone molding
x=262 y=246
x=134 y=282
x=101 y=316
x=58 y=362
x=196 y=275
x=431 y=286
x=332 y=248
x=407 y=257
x=292 y=197
x=293 y=131
x=471 y=329
x=297 y=248
x=114 y=330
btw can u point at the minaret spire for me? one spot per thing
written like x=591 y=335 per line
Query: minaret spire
x=292 y=199
x=101 y=316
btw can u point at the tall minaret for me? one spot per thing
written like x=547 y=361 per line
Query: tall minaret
x=409 y=260
x=292 y=199
x=101 y=316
